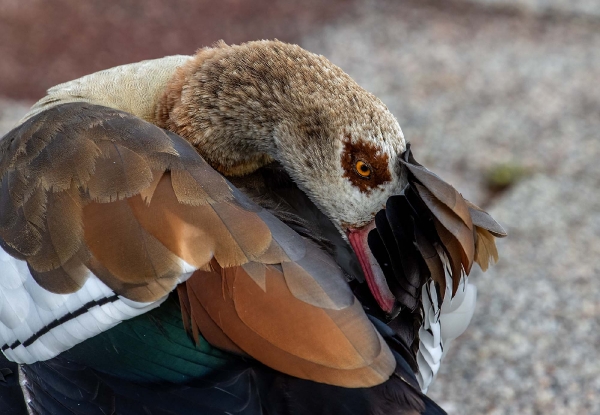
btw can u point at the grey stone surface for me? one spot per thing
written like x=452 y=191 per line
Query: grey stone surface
x=474 y=88
x=10 y=112
x=589 y=8
x=532 y=345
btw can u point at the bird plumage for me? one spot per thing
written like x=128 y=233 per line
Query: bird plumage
x=134 y=270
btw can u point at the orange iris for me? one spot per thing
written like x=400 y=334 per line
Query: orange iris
x=363 y=169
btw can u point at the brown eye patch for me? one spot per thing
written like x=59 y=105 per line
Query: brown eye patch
x=365 y=165
x=363 y=169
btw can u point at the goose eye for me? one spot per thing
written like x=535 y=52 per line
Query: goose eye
x=363 y=169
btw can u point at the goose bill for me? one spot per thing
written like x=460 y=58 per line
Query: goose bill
x=371 y=269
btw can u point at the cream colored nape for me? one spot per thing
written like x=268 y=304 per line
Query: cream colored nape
x=134 y=88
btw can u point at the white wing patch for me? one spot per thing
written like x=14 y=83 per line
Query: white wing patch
x=36 y=324
x=441 y=325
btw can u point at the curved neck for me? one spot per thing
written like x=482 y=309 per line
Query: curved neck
x=243 y=106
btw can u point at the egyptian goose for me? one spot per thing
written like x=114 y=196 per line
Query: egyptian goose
x=191 y=235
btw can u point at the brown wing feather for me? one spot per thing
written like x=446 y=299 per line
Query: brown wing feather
x=432 y=260
x=144 y=197
x=466 y=231
x=453 y=253
x=450 y=220
x=485 y=249
x=443 y=191
x=84 y=187
x=339 y=347
x=484 y=220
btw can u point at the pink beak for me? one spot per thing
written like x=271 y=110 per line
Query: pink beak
x=373 y=273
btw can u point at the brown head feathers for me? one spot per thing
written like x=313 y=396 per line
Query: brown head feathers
x=244 y=105
x=238 y=94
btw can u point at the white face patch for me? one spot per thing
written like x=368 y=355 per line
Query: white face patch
x=352 y=200
x=345 y=156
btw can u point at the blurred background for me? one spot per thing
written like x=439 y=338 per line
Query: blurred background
x=499 y=97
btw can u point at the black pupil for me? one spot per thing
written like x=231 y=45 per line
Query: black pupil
x=364 y=168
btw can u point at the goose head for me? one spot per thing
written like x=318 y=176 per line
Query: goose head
x=245 y=106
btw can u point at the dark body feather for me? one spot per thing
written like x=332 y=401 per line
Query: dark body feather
x=105 y=375
x=11 y=396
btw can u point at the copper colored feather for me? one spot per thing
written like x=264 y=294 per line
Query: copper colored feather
x=485 y=249
x=338 y=347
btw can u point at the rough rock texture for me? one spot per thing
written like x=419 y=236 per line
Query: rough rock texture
x=10 y=112
x=474 y=88
x=481 y=87
x=549 y=7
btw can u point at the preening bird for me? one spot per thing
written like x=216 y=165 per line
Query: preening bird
x=243 y=231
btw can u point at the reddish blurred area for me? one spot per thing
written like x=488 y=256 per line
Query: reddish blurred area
x=46 y=42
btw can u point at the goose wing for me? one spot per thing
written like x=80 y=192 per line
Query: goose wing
x=102 y=215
